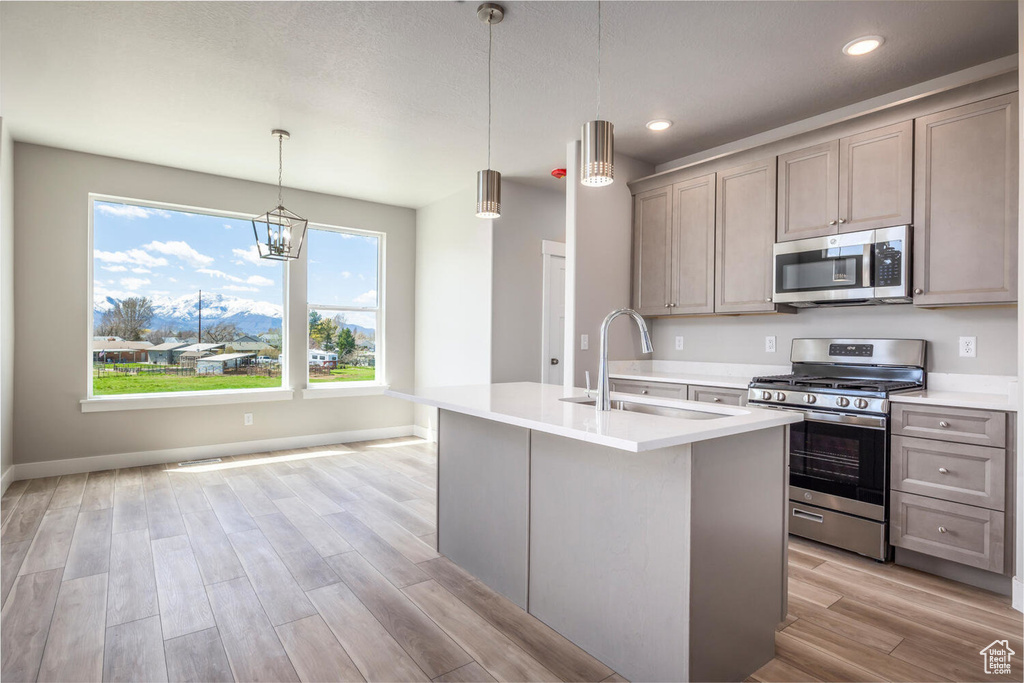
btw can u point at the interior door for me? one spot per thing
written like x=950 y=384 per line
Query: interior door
x=554 y=318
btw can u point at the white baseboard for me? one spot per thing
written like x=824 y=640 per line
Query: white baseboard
x=6 y=479
x=1018 y=594
x=425 y=433
x=51 y=468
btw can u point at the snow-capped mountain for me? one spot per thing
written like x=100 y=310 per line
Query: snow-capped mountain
x=251 y=317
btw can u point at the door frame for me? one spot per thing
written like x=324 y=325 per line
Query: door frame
x=550 y=250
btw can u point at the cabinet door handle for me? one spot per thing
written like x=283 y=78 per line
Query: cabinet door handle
x=842 y=220
x=768 y=299
x=831 y=222
x=918 y=290
x=943 y=424
x=942 y=529
x=943 y=470
x=668 y=305
x=643 y=391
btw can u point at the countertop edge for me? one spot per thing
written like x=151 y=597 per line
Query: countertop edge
x=695 y=380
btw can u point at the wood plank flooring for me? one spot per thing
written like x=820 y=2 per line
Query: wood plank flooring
x=321 y=564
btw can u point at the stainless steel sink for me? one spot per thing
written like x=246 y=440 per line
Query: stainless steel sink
x=649 y=409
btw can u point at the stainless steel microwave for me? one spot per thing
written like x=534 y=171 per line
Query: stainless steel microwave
x=867 y=267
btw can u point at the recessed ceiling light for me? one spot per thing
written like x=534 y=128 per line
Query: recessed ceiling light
x=862 y=45
x=659 y=124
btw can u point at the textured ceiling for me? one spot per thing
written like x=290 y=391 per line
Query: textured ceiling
x=387 y=100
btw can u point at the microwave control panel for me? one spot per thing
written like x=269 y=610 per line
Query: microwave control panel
x=888 y=264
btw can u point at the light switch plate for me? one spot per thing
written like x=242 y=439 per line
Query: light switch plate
x=770 y=344
x=968 y=347
x=247 y=419
x=584 y=342
x=679 y=343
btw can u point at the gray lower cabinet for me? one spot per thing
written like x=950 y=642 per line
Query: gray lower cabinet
x=722 y=395
x=653 y=389
x=965 y=204
x=951 y=531
x=951 y=484
x=744 y=237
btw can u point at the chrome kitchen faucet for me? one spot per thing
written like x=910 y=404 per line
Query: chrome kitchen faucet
x=603 y=394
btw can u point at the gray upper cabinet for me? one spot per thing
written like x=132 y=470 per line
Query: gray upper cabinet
x=693 y=249
x=744 y=236
x=860 y=182
x=652 y=251
x=876 y=178
x=808 y=192
x=965 y=204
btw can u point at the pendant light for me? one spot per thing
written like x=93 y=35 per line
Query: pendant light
x=597 y=165
x=279 y=232
x=488 y=182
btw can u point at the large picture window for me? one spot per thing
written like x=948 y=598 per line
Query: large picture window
x=181 y=302
x=345 y=306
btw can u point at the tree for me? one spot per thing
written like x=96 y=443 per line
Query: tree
x=128 y=319
x=346 y=342
x=323 y=335
x=219 y=333
x=314 y=321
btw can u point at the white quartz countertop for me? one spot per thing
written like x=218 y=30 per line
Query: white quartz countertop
x=539 y=407
x=957 y=399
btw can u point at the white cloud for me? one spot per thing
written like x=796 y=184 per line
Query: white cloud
x=180 y=250
x=367 y=298
x=228 y=227
x=132 y=256
x=239 y=288
x=133 y=283
x=259 y=281
x=115 y=269
x=345 y=274
x=251 y=255
x=141 y=271
x=218 y=273
x=130 y=212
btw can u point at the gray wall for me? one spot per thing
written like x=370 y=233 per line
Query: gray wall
x=6 y=299
x=740 y=339
x=529 y=215
x=600 y=263
x=51 y=187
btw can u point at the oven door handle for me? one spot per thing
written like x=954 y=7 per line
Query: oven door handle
x=866 y=421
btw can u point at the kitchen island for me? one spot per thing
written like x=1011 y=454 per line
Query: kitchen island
x=652 y=535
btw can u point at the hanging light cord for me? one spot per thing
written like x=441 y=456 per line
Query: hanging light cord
x=598 y=59
x=489 y=42
x=280 y=168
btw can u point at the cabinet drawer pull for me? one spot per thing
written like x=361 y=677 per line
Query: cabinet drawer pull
x=918 y=290
x=831 y=222
x=809 y=516
x=716 y=400
x=944 y=424
x=942 y=529
x=643 y=391
x=842 y=220
x=943 y=470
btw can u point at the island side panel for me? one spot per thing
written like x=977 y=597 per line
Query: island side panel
x=609 y=552
x=738 y=557
x=483 y=499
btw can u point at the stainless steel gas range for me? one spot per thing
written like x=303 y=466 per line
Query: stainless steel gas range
x=839 y=454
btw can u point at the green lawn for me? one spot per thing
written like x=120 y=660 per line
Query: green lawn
x=352 y=374
x=148 y=384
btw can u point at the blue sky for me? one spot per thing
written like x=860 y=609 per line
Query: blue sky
x=165 y=254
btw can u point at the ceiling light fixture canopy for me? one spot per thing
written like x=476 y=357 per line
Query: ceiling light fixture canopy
x=863 y=45
x=597 y=163
x=488 y=181
x=659 y=124
x=279 y=232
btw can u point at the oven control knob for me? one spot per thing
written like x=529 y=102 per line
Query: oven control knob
x=766 y=395
x=861 y=403
x=779 y=396
x=810 y=398
x=842 y=401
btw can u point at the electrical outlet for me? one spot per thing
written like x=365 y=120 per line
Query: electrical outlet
x=247 y=419
x=770 y=344
x=584 y=342
x=679 y=343
x=968 y=347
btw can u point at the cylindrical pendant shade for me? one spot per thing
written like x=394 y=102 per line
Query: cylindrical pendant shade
x=488 y=194
x=597 y=166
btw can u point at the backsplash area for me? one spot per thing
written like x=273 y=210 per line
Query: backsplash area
x=741 y=339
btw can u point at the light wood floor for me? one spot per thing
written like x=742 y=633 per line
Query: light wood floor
x=319 y=564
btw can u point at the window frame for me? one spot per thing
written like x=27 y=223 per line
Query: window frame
x=107 y=402
x=379 y=383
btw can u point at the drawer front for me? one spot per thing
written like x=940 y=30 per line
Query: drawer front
x=657 y=389
x=730 y=397
x=978 y=427
x=951 y=531
x=975 y=475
